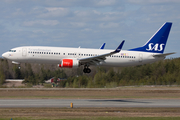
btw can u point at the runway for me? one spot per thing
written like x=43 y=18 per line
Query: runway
x=88 y=103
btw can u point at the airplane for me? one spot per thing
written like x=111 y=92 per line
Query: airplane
x=64 y=57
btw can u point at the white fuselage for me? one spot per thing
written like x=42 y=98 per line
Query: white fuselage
x=54 y=55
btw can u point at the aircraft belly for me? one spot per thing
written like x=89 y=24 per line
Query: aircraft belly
x=120 y=62
x=41 y=60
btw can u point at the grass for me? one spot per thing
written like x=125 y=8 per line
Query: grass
x=96 y=118
x=139 y=92
x=90 y=113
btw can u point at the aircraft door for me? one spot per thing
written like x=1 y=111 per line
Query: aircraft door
x=24 y=52
x=140 y=57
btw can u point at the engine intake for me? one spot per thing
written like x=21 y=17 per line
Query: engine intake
x=69 y=63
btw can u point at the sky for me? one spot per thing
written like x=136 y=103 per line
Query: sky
x=87 y=23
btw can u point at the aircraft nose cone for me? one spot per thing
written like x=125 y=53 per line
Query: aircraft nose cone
x=4 y=55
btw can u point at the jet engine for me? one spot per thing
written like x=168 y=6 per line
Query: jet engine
x=69 y=63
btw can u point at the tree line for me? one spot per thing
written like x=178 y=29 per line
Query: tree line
x=164 y=72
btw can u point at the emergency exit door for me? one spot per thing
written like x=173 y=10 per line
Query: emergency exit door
x=24 y=52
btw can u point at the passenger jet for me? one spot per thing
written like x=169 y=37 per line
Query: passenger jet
x=66 y=57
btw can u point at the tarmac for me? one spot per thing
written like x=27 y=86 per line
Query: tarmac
x=89 y=103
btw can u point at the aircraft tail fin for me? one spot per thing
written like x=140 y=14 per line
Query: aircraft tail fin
x=157 y=42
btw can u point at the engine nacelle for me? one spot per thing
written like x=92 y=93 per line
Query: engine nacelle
x=69 y=63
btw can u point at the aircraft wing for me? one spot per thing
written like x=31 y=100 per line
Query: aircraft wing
x=100 y=58
x=163 y=55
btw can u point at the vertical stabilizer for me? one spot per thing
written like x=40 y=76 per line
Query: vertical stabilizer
x=157 y=42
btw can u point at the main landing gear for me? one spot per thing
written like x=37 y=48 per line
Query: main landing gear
x=86 y=69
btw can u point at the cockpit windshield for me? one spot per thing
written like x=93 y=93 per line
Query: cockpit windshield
x=12 y=50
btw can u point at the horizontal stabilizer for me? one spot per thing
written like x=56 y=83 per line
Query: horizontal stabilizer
x=163 y=55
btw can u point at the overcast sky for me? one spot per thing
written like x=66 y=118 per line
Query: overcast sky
x=87 y=23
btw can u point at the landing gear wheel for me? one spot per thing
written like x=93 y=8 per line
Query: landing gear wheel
x=86 y=69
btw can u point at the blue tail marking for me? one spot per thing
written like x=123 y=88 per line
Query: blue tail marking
x=157 y=42
x=102 y=46
x=118 y=49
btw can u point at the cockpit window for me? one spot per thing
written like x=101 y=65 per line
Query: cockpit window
x=12 y=50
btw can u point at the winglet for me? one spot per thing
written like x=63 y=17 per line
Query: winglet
x=118 y=49
x=102 y=46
